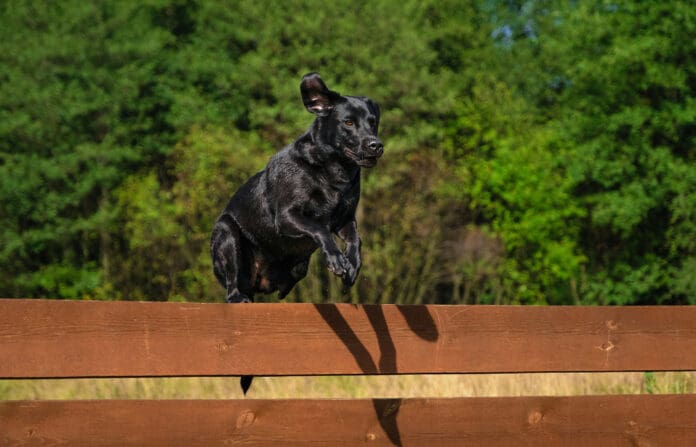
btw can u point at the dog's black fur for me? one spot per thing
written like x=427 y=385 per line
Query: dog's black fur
x=309 y=191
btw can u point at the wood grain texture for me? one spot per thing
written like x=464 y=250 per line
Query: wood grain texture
x=529 y=421
x=46 y=338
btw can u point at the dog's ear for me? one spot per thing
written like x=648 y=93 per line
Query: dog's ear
x=316 y=97
x=374 y=108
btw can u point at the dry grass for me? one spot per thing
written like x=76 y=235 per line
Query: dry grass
x=455 y=385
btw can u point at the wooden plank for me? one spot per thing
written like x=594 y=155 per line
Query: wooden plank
x=46 y=338
x=643 y=420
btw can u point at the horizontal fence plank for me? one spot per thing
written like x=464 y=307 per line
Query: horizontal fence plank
x=47 y=338
x=643 y=420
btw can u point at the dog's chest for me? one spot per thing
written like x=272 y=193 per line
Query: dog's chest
x=332 y=203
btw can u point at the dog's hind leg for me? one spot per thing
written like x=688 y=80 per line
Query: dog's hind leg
x=297 y=272
x=226 y=251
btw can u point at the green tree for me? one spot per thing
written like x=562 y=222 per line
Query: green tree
x=77 y=111
x=629 y=114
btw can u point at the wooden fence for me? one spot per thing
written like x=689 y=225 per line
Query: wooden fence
x=68 y=339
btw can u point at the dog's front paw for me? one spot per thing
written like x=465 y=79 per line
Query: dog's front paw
x=356 y=263
x=349 y=280
x=340 y=266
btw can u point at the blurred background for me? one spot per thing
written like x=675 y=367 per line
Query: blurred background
x=537 y=152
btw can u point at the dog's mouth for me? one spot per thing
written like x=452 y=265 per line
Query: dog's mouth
x=368 y=162
x=363 y=160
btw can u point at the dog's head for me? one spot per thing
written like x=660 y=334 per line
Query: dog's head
x=350 y=123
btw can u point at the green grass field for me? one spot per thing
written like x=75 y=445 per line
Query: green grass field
x=454 y=385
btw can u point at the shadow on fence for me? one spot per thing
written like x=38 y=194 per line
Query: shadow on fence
x=419 y=321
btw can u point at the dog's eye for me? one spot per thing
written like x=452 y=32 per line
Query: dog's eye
x=349 y=123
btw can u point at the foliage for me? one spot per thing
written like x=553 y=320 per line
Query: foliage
x=632 y=129
x=538 y=151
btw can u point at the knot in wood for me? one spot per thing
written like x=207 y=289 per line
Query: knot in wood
x=246 y=419
x=224 y=346
x=535 y=417
x=607 y=346
x=612 y=325
x=370 y=437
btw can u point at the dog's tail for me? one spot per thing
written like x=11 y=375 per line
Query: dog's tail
x=245 y=383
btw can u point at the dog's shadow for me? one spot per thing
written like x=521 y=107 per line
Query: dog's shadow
x=419 y=321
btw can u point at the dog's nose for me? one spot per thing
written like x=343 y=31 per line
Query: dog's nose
x=376 y=147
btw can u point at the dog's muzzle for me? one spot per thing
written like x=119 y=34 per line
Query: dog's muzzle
x=376 y=148
x=371 y=152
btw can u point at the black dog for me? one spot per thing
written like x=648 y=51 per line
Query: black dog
x=309 y=190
